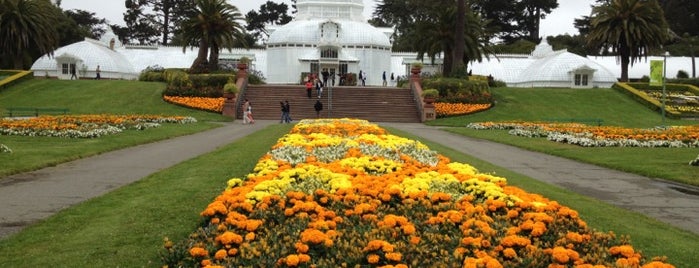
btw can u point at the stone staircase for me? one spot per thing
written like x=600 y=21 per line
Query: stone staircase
x=376 y=104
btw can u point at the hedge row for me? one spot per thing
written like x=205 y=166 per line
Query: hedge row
x=455 y=90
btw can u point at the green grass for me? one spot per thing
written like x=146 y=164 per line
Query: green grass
x=650 y=236
x=537 y=104
x=125 y=228
x=90 y=97
x=614 y=108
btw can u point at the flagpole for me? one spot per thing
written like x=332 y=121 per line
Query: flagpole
x=664 y=83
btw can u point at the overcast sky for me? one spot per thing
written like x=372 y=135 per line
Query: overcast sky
x=560 y=21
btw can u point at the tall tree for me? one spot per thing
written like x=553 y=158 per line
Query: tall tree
x=430 y=29
x=682 y=16
x=160 y=16
x=459 y=37
x=533 y=12
x=512 y=20
x=214 y=27
x=26 y=24
x=87 y=22
x=629 y=28
x=142 y=26
x=269 y=13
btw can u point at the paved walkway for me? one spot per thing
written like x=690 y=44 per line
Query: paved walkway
x=30 y=197
x=671 y=203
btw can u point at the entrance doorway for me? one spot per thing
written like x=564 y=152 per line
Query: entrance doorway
x=328 y=74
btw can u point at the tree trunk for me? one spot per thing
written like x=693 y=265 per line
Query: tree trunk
x=167 y=8
x=448 y=64
x=624 y=66
x=459 y=39
x=200 y=64
x=213 y=58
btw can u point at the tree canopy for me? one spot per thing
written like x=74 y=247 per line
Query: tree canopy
x=27 y=26
x=214 y=26
x=627 y=28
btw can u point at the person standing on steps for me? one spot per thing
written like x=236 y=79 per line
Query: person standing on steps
x=383 y=76
x=319 y=88
x=361 y=77
x=318 y=107
x=309 y=87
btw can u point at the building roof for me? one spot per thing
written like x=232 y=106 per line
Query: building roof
x=351 y=33
x=89 y=53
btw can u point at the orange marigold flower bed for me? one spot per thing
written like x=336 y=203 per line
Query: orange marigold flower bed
x=450 y=109
x=201 y=103
x=370 y=199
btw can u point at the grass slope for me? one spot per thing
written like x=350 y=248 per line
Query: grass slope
x=90 y=97
x=614 y=108
x=537 y=104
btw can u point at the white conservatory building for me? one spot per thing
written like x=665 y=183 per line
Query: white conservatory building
x=328 y=35
x=333 y=35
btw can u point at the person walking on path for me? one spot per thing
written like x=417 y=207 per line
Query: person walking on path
x=318 y=107
x=247 y=113
x=73 y=74
x=393 y=80
x=97 y=72
x=286 y=110
x=383 y=76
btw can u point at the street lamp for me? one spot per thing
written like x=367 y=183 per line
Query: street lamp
x=664 y=83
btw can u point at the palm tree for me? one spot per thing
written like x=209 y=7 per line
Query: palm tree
x=630 y=28
x=214 y=27
x=437 y=33
x=26 y=25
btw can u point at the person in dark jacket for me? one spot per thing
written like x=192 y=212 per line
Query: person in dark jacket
x=319 y=107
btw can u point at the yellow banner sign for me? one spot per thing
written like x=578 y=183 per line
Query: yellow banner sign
x=656 y=72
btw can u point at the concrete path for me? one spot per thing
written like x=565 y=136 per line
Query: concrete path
x=30 y=197
x=671 y=203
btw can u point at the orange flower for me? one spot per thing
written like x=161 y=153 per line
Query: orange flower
x=373 y=258
x=292 y=260
x=221 y=254
x=198 y=252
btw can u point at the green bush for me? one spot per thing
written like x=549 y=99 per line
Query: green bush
x=454 y=90
x=686 y=81
x=682 y=74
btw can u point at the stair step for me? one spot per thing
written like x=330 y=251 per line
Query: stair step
x=377 y=104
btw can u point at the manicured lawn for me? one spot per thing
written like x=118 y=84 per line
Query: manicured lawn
x=537 y=104
x=614 y=108
x=90 y=97
x=126 y=228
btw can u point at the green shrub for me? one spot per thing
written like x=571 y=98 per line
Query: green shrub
x=455 y=90
x=682 y=74
x=685 y=81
